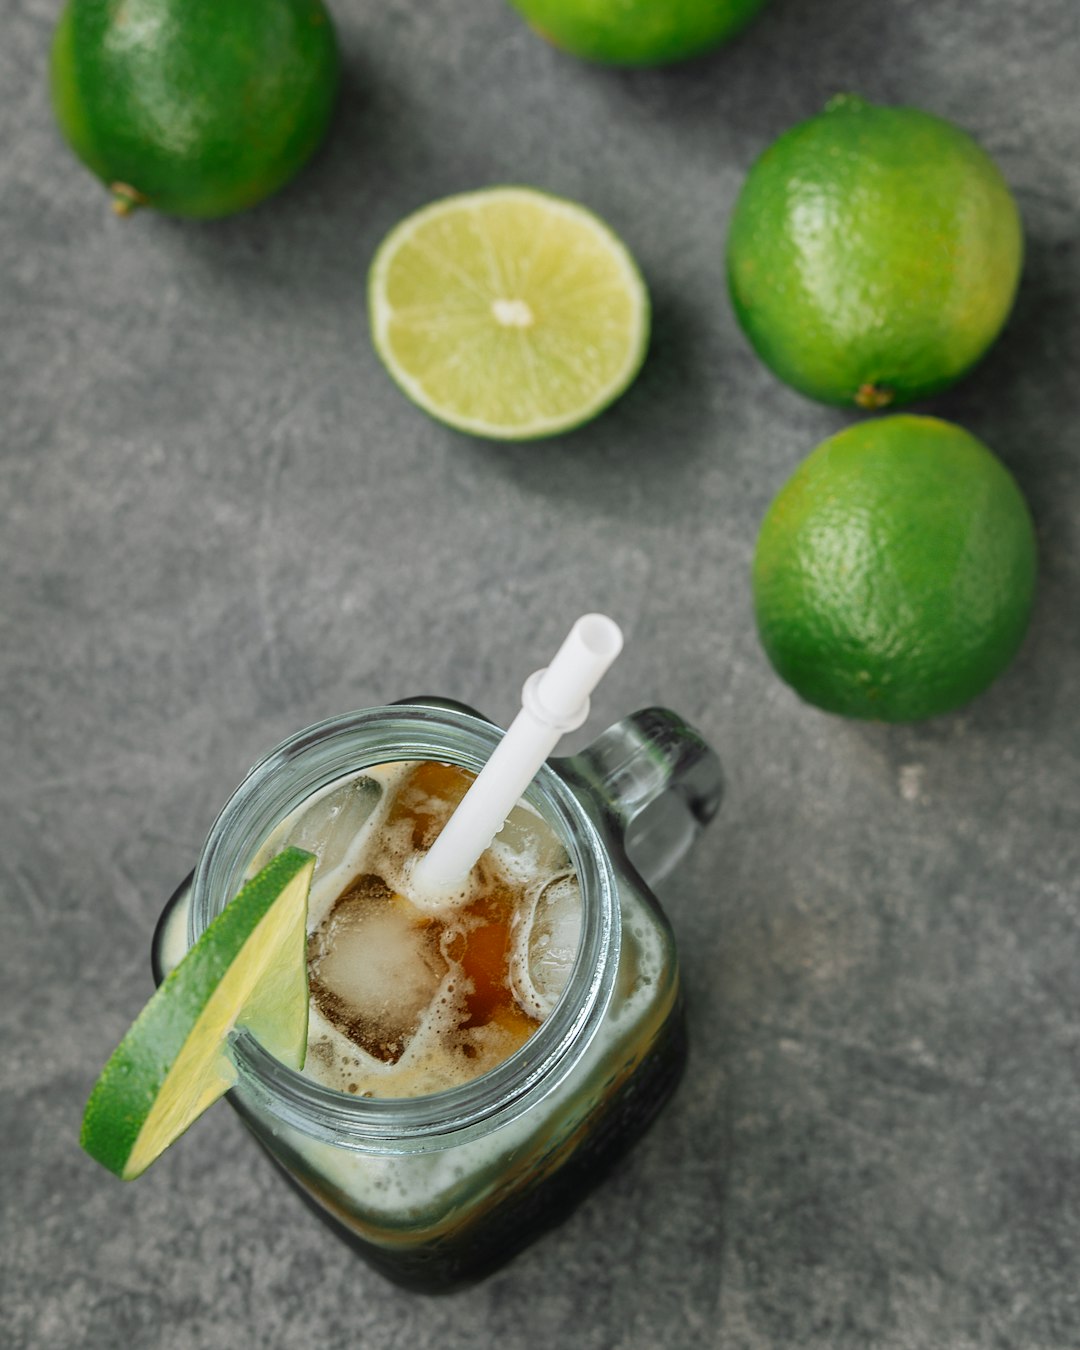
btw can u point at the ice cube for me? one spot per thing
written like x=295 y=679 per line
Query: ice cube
x=526 y=846
x=374 y=967
x=546 y=945
x=329 y=824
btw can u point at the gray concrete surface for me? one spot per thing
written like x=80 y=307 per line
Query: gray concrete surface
x=221 y=521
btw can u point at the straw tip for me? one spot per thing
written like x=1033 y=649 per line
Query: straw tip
x=559 y=694
x=601 y=635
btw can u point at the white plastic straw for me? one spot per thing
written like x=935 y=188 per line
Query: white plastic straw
x=554 y=700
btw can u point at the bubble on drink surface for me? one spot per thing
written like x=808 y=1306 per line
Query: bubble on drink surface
x=328 y=825
x=548 y=938
x=375 y=967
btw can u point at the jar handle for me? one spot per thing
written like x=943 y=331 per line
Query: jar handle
x=660 y=780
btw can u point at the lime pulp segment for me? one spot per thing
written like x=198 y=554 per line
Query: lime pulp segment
x=508 y=313
x=248 y=968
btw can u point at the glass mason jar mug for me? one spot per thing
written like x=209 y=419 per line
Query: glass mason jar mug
x=436 y=1190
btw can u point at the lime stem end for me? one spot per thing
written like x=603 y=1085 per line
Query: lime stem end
x=873 y=397
x=126 y=199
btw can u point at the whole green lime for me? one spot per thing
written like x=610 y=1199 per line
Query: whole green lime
x=874 y=254
x=194 y=107
x=638 y=32
x=895 y=571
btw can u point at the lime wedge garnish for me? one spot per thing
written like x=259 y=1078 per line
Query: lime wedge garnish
x=508 y=313
x=249 y=968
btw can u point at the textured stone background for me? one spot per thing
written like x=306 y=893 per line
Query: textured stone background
x=221 y=521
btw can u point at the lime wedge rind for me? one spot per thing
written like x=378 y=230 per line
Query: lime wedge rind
x=247 y=968
x=469 y=324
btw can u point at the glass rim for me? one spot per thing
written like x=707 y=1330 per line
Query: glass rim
x=347 y=743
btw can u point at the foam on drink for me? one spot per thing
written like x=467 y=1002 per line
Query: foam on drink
x=411 y=992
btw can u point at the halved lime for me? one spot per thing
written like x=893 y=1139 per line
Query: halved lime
x=248 y=968
x=508 y=313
